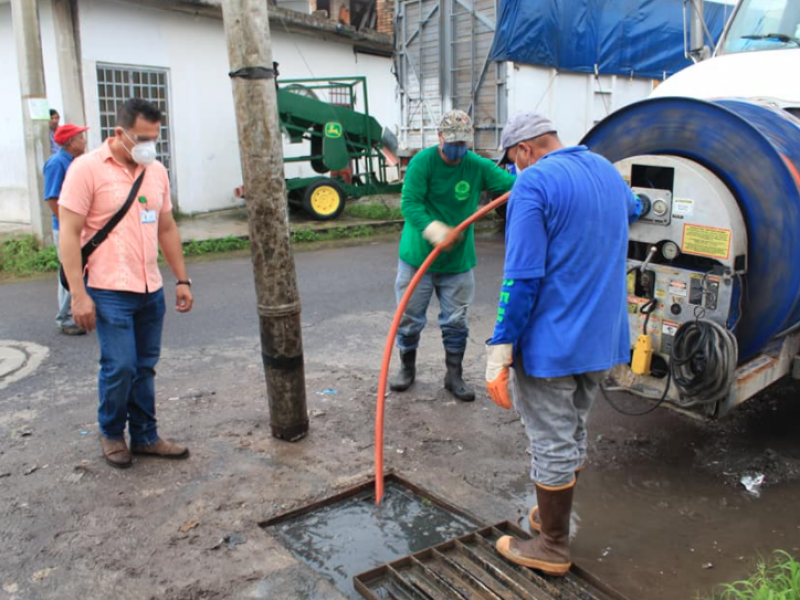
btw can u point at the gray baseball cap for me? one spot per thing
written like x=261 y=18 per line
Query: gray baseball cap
x=523 y=126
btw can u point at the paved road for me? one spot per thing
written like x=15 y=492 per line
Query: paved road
x=354 y=280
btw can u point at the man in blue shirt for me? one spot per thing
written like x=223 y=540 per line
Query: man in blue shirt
x=562 y=317
x=72 y=140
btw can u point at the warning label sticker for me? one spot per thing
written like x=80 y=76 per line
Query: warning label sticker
x=706 y=241
x=677 y=288
x=669 y=328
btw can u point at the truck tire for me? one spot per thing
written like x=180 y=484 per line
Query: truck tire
x=324 y=200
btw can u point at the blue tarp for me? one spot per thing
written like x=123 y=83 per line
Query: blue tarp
x=642 y=38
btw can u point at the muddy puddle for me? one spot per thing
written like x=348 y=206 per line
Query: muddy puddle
x=656 y=521
x=354 y=535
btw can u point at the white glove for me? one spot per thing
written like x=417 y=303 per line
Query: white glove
x=436 y=232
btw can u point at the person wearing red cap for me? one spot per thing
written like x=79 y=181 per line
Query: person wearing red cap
x=72 y=140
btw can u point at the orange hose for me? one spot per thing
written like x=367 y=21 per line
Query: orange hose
x=387 y=351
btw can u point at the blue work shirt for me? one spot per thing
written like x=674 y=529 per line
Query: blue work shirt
x=567 y=227
x=55 y=170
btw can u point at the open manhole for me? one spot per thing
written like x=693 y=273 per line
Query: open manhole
x=347 y=534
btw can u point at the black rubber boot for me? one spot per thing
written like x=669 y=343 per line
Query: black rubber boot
x=453 y=381
x=408 y=370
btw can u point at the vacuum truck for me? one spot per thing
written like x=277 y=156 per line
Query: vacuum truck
x=714 y=262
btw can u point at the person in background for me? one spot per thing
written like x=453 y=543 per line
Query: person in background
x=441 y=189
x=72 y=142
x=55 y=119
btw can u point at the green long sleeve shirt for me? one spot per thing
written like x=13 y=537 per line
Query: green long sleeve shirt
x=436 y=191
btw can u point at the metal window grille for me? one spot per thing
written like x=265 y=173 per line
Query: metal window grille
x=340 y=96
x=118 y=83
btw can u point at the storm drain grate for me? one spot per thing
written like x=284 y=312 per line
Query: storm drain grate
x=347 y=533
x=469 y=568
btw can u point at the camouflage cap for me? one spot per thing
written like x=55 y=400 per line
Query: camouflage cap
x=456 y=126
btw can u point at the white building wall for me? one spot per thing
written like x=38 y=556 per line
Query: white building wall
x=13 y=177
x=574 y=101
x=204 y=143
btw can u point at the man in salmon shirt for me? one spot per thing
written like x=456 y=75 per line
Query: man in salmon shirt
x=121 y=293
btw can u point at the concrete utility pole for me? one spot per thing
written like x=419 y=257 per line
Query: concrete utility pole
x=260 y=144
x=69 y=65
x=25 y=20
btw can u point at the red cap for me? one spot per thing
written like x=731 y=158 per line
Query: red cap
x=66 y=132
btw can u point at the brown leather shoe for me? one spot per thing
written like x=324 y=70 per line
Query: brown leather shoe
x=116 y=452
x=162 y=449
x=549 y=552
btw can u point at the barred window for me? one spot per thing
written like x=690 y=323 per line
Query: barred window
x=118 y=83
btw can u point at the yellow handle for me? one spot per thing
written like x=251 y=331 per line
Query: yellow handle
x=642 y=355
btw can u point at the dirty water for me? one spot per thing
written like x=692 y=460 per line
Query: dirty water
x=354 y=535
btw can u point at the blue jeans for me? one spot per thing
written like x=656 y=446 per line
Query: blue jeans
x=129 y=329
x=64 y=316
x=455 y=292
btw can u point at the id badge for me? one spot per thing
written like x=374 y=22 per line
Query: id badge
x=148 y=216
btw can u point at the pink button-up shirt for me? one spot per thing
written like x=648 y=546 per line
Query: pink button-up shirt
x=96 y=187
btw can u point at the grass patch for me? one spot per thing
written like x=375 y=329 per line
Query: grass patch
x=307 y=236
x=23 y=255
x=374 y=210
x=775 y=579
x=226 y=244
x=300 y=236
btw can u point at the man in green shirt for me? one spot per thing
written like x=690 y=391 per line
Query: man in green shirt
x=441 y=189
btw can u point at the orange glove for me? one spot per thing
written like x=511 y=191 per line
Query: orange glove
x=498 y=360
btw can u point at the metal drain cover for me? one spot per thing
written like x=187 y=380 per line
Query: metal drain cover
x=469 y=568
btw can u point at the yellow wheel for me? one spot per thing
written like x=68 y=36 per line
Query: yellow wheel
x=324 y=200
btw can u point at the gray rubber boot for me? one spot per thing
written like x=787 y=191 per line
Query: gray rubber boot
x=454 y=381
x=408 y=371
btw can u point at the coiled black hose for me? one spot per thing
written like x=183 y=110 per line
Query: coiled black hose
x=703 y=362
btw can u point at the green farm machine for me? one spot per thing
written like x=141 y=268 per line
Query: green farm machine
x=349 y=149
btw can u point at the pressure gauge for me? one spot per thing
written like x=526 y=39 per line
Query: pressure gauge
x=670 y=250
x=660 y=207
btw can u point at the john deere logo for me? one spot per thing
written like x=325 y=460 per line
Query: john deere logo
x=333 y=130
x=462 y=190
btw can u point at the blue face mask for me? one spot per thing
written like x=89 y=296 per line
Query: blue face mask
x=454 y=152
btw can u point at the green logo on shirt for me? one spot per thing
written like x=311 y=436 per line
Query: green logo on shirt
x=462 y=190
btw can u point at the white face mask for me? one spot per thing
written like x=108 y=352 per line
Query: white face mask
x=143 y=153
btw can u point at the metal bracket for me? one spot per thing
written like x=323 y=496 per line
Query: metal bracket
x=253 y=73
